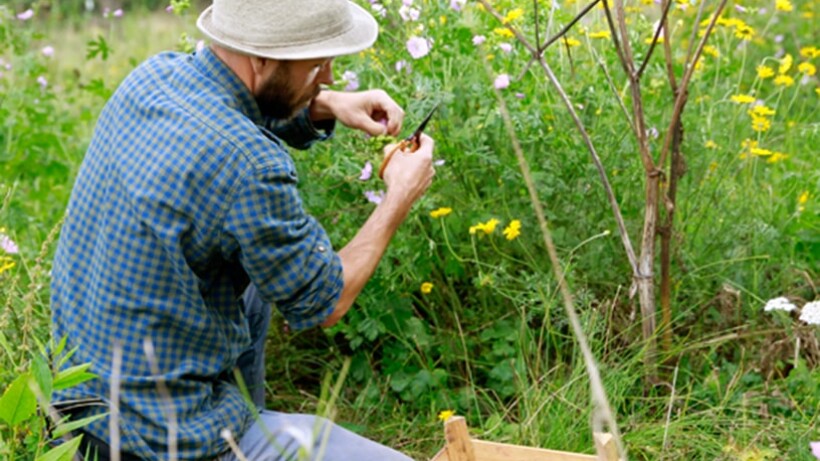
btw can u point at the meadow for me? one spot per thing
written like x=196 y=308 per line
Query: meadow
x=660 y=189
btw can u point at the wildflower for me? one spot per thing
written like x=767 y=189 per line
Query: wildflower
x=352 y=80
x=445 y=415
x=367 y=171
x=42 y=81
x=403 y=65
x=777 y=157
x=711 y=51
x=744 y=32
x=502 y=81
x=418 y=47
x=6 y=263
x=783 y=80
x=457 y=4
x=505 y=47
x=426 y=288
x=169 y=9
x=8 y=245
x=802 y=200
x=785 y=64
x=479 y=39
x=649 y=40
x=783 y=5
x=513 y=230
x=711 y=144
x=809 y=52
x=26 y=15
x=761 y=152
x=779 y=304
x=601 y=34
x=761 y=110
x=761 y=124
x=374 y=196
x=117 y=13
x=487 y=227
x=811 y=315
x=520 y=95
x=764 y=72
x=570 y=42
x=48 y=51
x=379 y=9
x=409 y=14
x=748 y=144
x=439 y=162
x=503 y=32
x=513 y=15
x=742 y=99
x=807 y=68
x=444 y=211
x=815 y=449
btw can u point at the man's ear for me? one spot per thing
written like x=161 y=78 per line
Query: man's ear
x=262 y=67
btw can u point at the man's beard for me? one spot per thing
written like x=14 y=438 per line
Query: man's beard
x=277 y=99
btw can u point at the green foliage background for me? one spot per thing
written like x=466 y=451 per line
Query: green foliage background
x=491 y=340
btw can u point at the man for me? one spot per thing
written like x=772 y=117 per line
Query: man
x=185 y=225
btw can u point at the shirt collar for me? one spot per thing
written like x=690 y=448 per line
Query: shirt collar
x=210 y=65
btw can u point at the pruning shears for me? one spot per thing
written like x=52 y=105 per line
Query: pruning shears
x=411 y=142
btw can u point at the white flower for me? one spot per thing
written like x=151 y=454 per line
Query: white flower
x=779 y=304
x=379 y=9
x=811 y=313
x=48 y=51
x=409 y=14
x=8 y=245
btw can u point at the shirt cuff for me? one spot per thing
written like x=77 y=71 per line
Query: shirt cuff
x=300 y=132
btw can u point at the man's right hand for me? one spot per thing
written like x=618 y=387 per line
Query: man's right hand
x=409 y=174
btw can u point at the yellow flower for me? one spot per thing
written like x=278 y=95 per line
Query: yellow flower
x=513 y=15
x=513 y=230
x=783 y=80
x=807 y=68
x=765 y=72
x=503 y=32
x=809 y=52
x=648 y=40
x=744 y=32
x=785 y=64
x=445 y=415
x=761 y=152
x=441 y=212
x=487 y=227
x=426 y=288
x=761 y=111
x=742 y=98
x=713 y=165
x=442 y=19
x=748 y=143
x=571 y=42
x=804 y=198
x=711 y=51
x=602 y=34
x=6 y=263
x=783 y=5
x=777 y=157
x=711 y=144
x=761 y=124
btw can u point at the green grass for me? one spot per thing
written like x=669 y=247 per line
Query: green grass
x=491 y=340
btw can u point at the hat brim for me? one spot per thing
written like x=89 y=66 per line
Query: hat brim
x=360 y=37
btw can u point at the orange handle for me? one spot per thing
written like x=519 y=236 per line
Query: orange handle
x=413 y=145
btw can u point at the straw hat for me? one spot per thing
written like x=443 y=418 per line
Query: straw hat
x=289 y=29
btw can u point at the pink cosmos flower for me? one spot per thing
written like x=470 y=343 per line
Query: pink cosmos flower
x=478 y=40
x=367 y=171
x=404 y=65
x=48 y=51
x=409 y=14
x=418 y=47
x=352 y=80
x=374 y=196
x=118 y=13
x=505 y=47
x=457 y=4
x=815 y=449
x=26 y=15
x=169 y=8
x=8 y=245
x=42 y=81
x=502 y=81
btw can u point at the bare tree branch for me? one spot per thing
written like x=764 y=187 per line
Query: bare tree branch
x=661 y=27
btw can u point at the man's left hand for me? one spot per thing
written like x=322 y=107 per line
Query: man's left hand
x=373 y=111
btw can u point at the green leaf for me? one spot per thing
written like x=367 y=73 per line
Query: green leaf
x=64 y=428
x=63 y=452
x=18 y=402
x=5 y=343
x=73 y=376
x=42 y=375
x=98 y=48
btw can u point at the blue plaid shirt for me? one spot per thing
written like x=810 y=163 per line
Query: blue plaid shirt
x=185 y=196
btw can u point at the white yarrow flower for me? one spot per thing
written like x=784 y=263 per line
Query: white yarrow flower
x=811 y=313
x=779 y=304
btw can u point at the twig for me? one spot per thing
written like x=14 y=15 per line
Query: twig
x=618 y=97
x=566 y=28
x=228 y=437
x=615 y=41
x=661 y=27
x=669 y=408
x=168 y=407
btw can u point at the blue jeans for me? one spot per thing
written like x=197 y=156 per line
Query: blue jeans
x=281 y=436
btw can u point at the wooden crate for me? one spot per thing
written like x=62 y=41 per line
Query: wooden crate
x=460 y=447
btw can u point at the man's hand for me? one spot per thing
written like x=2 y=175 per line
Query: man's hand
x=373 y=111
x=409 y=174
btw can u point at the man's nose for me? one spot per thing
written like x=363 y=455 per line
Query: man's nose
x=325 y=76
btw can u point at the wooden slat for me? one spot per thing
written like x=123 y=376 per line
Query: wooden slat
x=605 y=444
x=459 y=445
x=491 y=451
